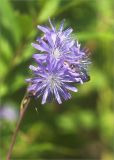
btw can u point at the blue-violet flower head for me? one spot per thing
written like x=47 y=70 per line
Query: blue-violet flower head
x=61 y=63
x=51 y=81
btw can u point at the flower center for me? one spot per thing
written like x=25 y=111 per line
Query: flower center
x=53 y=81
x=56 y=53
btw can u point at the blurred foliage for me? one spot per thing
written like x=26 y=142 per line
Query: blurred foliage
x=81 y=127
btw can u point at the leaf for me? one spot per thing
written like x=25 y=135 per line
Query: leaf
x=3 y=67
x=3 y=89
x=25 y=24
x=9 y=20
x=18 y=82
x=48 y=10
x=5 y=48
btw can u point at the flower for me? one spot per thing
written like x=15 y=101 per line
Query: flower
x=54 y=42
x=61 y=63
x=51 y=80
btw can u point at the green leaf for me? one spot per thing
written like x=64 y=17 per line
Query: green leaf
x=3 y=68
x=9 y=20
x=48 y=10
x=25 y=24
x=5 y=48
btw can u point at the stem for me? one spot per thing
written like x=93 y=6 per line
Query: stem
x=23 y=108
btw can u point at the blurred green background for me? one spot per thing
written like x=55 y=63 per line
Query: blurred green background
x=81 y=128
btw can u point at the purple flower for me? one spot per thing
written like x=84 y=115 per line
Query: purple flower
x=51 y=80
x=55 y=42
x=60 y=44
x=61 y=63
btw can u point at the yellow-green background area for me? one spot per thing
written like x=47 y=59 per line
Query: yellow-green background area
x=81 y=128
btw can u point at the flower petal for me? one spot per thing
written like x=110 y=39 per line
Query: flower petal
x=43 y=29
x=53 y=36
x=53 y=28
x=45 y=95
x=68 y=31
x=38 y=47
x=71 y=88
x=33 y=68
x=57 y=96
x=61 y=26
x=39 y=56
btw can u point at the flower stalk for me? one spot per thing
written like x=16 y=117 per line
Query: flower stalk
x=23 y=107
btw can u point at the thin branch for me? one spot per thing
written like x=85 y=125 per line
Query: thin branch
x=23 y=108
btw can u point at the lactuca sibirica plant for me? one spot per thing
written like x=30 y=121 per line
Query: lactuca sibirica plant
x=60 y=64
